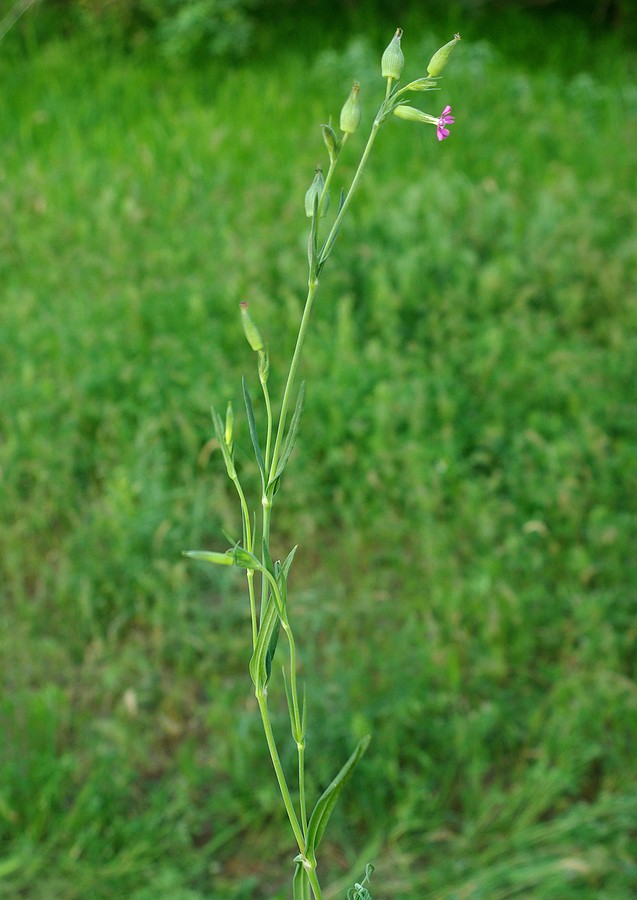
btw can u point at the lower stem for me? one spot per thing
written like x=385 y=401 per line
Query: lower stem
x=314 y=884
x=302 y=803
x=278 y=769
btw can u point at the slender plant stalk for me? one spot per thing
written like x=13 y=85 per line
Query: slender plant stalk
x=294 y=365
x=272 y=614
x=278 y=768
x=247 y=537
x=268 y=410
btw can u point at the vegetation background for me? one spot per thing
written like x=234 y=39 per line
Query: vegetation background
x=463 y=489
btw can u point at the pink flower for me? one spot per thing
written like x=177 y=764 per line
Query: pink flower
x=445 y=119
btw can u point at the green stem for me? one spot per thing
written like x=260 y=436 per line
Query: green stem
x=294 y=365
x=283 y=616
x=328 y=177
x=245 y=513
x=300 y=746
x=329 y=241
x=313 y=282
x=253 y=607
x=314 y=883
x=296 y=718
x=266 y=500
x=247 y=543
x=268 y=582
x=278 y=768
x=268 y=409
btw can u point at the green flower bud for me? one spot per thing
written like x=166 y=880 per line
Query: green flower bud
x=392 y=62
x=313 y=194
x=250 y=329
x=331 y=141
x=439 y=59
x=229 y=426
x=351 y=112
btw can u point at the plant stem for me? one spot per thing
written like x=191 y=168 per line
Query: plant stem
x=329 y=241
x=278 y=768
x=314 y=883
x=267 y=580
x=268 y=407
x=296 y=718
x=266 y=500
x=300 y=746
x=313 y=282
x=328 y=177
x=247 y=543
x=294 y=365
x=253 y=607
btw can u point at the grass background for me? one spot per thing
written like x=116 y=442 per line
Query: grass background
x=463 y=489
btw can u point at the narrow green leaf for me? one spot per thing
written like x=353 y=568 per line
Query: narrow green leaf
x=327 y=801
x=253 y=428
x=267 y=559
x=269 y=654
x=281 y=574
x=327 y=248
x=290 y=438
x=312 y=241
x=287 y=564
x=258 y=665
x=282 y=584
x=288 y=697
x=229 y=537
x=304 y=712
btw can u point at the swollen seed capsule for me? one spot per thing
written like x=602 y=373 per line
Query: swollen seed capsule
x=313 y=193
x=250 y=329
x=211 y=556
x=351 y=112
x=392 y=61
x=411 y=114
x=439 y=59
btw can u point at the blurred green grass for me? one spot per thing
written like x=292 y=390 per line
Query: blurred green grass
x=463 y=491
